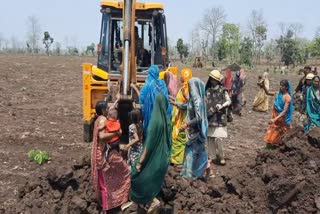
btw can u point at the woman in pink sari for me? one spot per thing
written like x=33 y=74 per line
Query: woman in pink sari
x=109 y=172
x=172 y=84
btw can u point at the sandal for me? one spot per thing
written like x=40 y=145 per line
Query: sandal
x=154 y=205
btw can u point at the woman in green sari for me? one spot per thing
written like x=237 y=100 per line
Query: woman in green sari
x=148 y=173
x=313 y=105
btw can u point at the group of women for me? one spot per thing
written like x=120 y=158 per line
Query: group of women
x=176 y=126
x=283 y=105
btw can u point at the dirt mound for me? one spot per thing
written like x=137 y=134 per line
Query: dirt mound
x=284 y=180
x=60 y=191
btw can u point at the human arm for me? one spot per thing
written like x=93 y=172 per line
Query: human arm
x=179 y=105
x=134 y=87
x=140 y=162
x=190 y=123
x=227 y=102
x=270 y=93
x=132 y=131
x=115 y=104
x=285 y=109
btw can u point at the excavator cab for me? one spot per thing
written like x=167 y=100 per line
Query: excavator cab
x=133 y=36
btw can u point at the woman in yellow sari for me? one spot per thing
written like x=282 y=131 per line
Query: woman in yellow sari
x=261 y=101
x=179 y=114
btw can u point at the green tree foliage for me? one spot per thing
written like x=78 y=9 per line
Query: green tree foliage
x=182 y=49
x=270 y=50
x=230 y=41
x=246 y=47
x=261 y=37
x=314 y=47
x=293 y=51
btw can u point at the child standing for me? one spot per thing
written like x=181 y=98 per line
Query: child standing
x=135 y=133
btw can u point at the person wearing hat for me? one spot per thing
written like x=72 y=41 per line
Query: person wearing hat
x=307 y=70
x=218 y=100
x=307 y=84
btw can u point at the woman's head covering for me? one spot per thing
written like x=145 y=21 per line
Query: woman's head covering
x=227 y=82
x=151 y=88
x=197 y=100
x=153 y=73
x=171 y=82
x=265 y=75
x=186 y=75
x=279 y=102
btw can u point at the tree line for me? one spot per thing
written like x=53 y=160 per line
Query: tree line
x=214 y=37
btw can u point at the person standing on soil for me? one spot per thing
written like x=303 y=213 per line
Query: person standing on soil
x=302 y=98
x=111 y=181
x=196 y=157
x=236 y=94
x=151 y=88
x=148 y=172
x=307 y=70
x=218 y=101
x=179 y=116
x=313 y=105
x=227 y=83
x=135 y=145
x=261 y=101
x=281 y=113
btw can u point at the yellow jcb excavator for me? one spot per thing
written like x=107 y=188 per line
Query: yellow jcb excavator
x=133 y=36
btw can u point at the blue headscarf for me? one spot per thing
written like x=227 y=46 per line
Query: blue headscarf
x=312 y=107
x=279 y=104
x=197 y=104
x=151 y=88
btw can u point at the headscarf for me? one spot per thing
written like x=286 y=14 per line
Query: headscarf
x=172 y=84
x=312 y=107
x=227 y=82
x=242 y=74
x=186 y=74
x=279 y=104
x=151 y=88
x=146 y=184
x=266 y=79
x=197 y=105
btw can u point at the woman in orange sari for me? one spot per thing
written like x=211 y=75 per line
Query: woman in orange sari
x=179 y=115
x=109 y=173
x=282 y=112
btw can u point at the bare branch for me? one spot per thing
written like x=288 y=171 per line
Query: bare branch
x=34 y=32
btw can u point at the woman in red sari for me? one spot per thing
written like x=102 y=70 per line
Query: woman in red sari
x=109 y=172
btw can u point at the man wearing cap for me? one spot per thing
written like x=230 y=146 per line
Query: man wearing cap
x=307 y=70
x=307 y=84
x=217 y=102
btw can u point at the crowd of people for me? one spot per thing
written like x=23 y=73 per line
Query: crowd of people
x=184 y=125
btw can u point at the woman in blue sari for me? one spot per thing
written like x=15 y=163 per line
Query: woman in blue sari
x=282 y=113
x=313 y=105
x=196 y=157
x=151 y=88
